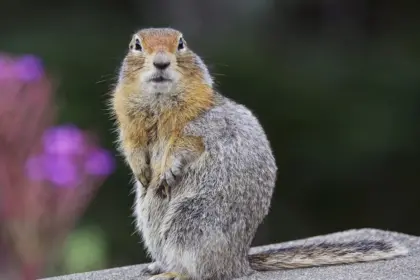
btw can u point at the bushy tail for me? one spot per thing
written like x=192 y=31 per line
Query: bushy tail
x=325 y=254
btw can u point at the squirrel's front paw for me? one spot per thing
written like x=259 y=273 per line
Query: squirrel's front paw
x=169 y=179
x=172 y=175
x=144 y=176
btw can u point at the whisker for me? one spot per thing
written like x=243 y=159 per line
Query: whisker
x=131 y=72
x=101 y=81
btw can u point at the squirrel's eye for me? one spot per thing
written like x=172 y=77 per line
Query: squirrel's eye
x=180 y=44
x=137 y=46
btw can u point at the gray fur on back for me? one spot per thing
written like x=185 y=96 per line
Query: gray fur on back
x=205 y=230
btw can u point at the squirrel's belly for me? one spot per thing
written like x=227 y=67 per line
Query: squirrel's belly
x=149 y=213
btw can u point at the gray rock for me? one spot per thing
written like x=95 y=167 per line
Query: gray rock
x=403 y=268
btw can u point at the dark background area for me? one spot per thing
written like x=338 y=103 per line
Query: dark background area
x=336 y=85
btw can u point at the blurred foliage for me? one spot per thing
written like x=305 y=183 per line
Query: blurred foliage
x=85 y=250
x=336 y=84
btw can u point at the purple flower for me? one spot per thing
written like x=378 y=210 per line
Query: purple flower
x=59 y=170
x=29 y=68
x=64 y=140
x=99 y=162
x=67 y=158
x=26 y=68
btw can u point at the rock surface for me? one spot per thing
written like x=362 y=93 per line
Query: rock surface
x=402 y=268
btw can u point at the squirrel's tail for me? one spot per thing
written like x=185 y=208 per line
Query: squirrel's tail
x=325 y=254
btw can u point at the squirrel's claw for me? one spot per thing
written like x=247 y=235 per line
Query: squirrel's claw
x=143 y=181
x=164 y=190
x=144 y=177
x=168 y=180
x=170 y=177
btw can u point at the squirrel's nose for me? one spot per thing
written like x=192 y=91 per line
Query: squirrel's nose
x=161 y=65
x=161 y=60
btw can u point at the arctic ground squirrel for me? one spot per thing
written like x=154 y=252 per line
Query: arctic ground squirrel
x=204 y=170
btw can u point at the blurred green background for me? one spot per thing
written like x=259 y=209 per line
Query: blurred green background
x=336 y=84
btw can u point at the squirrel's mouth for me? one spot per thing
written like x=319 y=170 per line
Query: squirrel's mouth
x=159 y=79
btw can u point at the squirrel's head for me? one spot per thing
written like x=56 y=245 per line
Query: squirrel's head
x=159 y=61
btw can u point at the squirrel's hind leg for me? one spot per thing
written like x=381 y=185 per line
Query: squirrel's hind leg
x=170 y=276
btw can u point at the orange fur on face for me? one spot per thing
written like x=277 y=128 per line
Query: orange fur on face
x=153 y=41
